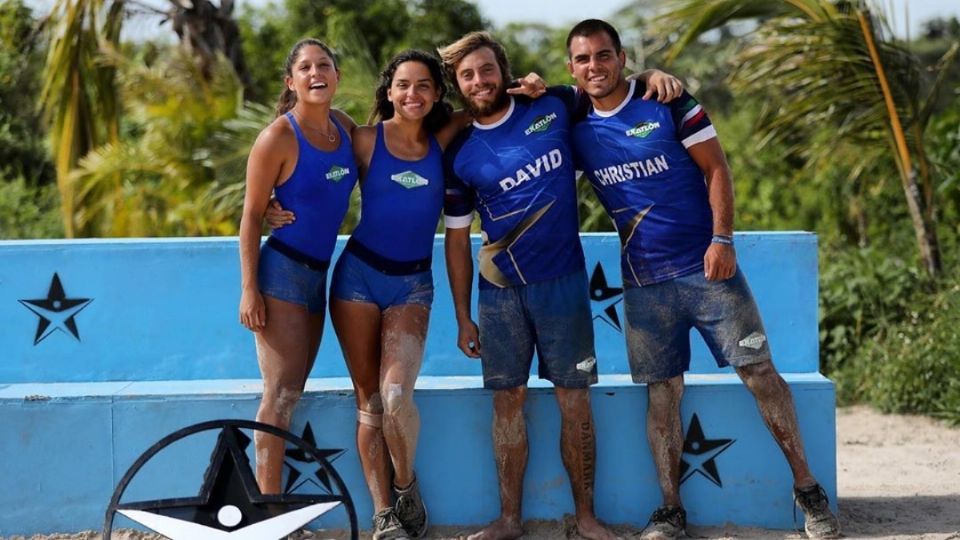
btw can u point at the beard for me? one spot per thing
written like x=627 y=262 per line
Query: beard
x=500 y=101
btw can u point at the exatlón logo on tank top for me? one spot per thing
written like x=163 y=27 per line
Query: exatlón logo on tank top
x=409 y=179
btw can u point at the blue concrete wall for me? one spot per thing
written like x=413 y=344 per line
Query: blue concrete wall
x=66 y=453
x=162 y=326
x=166 y=309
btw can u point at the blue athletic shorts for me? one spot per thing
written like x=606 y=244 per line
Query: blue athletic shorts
x=552 y=317
x=356 y=281
x=297 y=282
x=660 y=316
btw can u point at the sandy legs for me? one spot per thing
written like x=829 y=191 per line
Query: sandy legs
x=286 y=350
x=577 y=448
x=384 y=351
x=774 y=400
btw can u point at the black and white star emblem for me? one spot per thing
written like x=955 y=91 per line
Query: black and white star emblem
x=604 y=299
x=303 y=468
x=700 y=454
x=230 y=505
x=56 y=311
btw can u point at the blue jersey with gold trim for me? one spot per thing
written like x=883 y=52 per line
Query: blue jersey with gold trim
x=518 y=175
x=637 y=161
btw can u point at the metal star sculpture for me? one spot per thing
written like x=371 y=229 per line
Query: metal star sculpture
x=230 y=505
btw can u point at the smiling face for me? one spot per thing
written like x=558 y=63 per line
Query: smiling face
x=413 y=92
x=481 y=83
x=596 y=65
x=313 y=76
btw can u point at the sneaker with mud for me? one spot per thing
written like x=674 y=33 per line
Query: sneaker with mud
x=819 y=521
x=410 y=509
x=386 y=526
x=666 y=523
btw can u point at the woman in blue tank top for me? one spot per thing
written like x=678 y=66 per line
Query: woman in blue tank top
x=382 y=285
x=305 y=157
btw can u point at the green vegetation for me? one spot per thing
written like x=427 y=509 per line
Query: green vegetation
x=830 y=125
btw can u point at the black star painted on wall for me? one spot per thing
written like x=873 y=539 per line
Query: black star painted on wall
x=604 y=299
x=56 y=311
x=304 y=469
x=700 y=454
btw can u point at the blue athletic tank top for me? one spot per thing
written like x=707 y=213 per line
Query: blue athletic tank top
x=400 y=208
x=318 y=193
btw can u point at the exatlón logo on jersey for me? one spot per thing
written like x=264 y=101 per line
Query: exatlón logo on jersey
x=409 y=179
x=642 y=129
x=336 y=173
x=541 y=124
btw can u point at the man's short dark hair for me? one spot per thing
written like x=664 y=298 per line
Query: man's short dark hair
x=590 y=27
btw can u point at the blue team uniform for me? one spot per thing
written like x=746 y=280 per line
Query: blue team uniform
x=636 y=158
x=518 y=174
x=387 y=259
x=293 y=263
x=637 y=161
x=318 y=193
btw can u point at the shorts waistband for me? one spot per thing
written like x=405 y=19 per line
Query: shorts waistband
x=385 y=265
x=297 y=255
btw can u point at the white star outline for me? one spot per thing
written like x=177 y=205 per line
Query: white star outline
x=57 y=319
x=273 y=528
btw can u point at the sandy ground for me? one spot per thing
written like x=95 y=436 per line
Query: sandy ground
x=899 y=477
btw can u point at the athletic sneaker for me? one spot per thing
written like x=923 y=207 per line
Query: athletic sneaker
x=386 y=526
x=410 y=509
x=819 y=521
x=666 y=523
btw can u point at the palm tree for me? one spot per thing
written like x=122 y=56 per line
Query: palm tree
x=78 y=96
x=833 y=67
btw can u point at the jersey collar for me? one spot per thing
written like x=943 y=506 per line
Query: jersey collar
x=499 y=122
x=618 y=108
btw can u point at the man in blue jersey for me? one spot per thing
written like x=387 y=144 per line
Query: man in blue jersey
x=514 y=167
x=662 y=176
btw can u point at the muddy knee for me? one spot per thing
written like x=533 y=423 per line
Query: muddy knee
x=279 y=404
x=666 y=393
x=762 y=376
x=397 y=400
x=370 y=413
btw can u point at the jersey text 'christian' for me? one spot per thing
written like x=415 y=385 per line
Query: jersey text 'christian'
x=634 y=169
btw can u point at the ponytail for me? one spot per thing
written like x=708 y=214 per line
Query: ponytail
x=288 y=98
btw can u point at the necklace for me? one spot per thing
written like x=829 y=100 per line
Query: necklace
x=331 y=136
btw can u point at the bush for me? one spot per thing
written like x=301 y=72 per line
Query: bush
x=862 y=291
x=28 y=211
x=914 y=365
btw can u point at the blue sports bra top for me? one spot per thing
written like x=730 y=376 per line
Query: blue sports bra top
x=400 y=207
x=318 y=193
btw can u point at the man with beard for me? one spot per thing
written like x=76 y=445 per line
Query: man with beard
x=514 y=166
x=662 y=176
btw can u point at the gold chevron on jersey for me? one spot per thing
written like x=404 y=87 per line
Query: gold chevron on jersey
x=489 y=269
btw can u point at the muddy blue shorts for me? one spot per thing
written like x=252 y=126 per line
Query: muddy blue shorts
x=660 y=316
x=550 y=317
x=354 y=280
x=285 y=275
